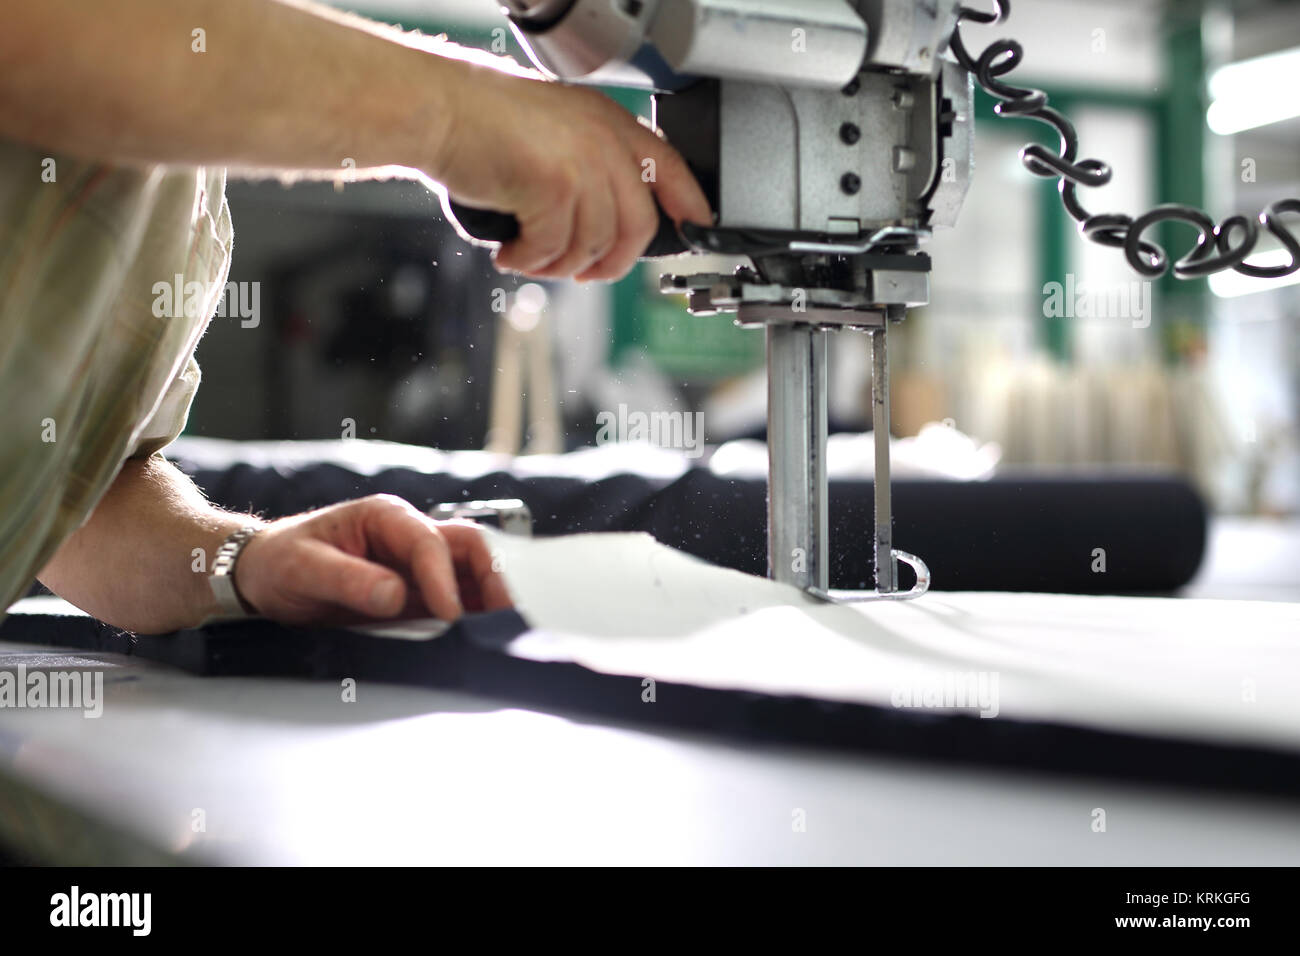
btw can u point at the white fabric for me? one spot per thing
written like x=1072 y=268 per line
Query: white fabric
x=1225 y=671
x=370 y=457
x=937 y=451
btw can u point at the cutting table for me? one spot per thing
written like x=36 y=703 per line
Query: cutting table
x=283 y=773
x=491 y=767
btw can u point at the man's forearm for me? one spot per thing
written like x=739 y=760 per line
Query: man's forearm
x=293 y=87
x=135 y=564
x=282 y=85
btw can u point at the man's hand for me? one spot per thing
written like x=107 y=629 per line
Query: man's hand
x=374 y=558
x=142 y=560
x=576 y=169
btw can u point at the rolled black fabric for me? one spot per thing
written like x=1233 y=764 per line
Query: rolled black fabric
x=1138 y=534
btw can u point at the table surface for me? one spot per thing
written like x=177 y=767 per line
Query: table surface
x=1251 y=559
x=266 y=771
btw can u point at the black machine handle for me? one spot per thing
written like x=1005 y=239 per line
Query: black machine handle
x=487 y=225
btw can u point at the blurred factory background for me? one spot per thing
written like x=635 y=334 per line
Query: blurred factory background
x=372 y=319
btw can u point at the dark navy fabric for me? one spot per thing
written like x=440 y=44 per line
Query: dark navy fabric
x=1013 y=533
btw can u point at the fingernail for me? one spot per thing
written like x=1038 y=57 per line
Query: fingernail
x=385 y=595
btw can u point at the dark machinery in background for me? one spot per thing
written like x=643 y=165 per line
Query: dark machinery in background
x=360 y=329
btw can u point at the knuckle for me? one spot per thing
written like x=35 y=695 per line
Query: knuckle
x=389 y=501
x=564 y=180
x=429 y=550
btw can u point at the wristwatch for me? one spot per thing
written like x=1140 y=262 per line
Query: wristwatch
x=222 y=579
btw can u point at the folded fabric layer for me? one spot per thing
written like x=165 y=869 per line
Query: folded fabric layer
x=1215 y=671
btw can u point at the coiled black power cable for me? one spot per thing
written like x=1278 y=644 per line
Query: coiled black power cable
x=1214 y=251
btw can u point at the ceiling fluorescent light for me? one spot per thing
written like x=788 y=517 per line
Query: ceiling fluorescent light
x=1255 y=92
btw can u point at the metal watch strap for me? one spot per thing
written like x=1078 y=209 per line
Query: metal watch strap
x=222 y=579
